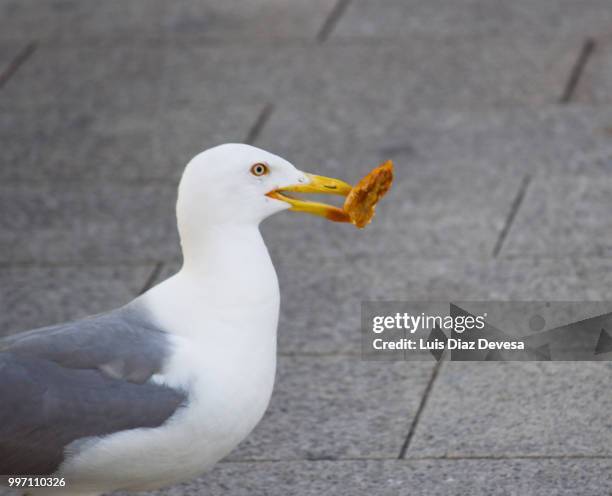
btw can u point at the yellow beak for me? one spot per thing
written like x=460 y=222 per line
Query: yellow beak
x=318 y=184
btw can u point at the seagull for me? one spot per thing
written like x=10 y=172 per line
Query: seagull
x=159 y=390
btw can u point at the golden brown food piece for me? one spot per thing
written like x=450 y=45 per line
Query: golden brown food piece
x=361 y=201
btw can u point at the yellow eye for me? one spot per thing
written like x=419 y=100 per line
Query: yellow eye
x=259 y=169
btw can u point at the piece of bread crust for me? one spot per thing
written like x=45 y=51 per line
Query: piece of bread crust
x=361 y=202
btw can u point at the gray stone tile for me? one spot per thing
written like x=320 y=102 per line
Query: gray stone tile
x=74 y=222
x=516 y=409
x=593 y=274
x=533 y=278
x=102 y=75
x=397 y=477
x=449 y=18
x=234 y=20
x=595 y=85
x=563 y=216
x=375 y=76
x=337 y=407
x=542 y=140
x=183 y=131
x=347 y=140
x=8 y=51
x=59 y=142
x=67 y=142
x=99 y=110
x=332 y=138
x=67 y=20
x=33 y=297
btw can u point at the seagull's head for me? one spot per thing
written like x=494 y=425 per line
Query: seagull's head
x=234 y=184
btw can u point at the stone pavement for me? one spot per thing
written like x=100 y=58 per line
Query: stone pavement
x=498 y=115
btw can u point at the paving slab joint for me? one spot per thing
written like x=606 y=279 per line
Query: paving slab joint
x=17 y=62
x=516 y=204
x=588 y=47
x=259 y=124
x=422 y=404
x=332 y=20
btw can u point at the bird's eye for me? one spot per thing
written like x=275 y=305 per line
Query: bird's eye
x=259 y=169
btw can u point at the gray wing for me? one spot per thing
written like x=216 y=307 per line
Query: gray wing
x=79 y=380
x=124 y=343
x=46 y=406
